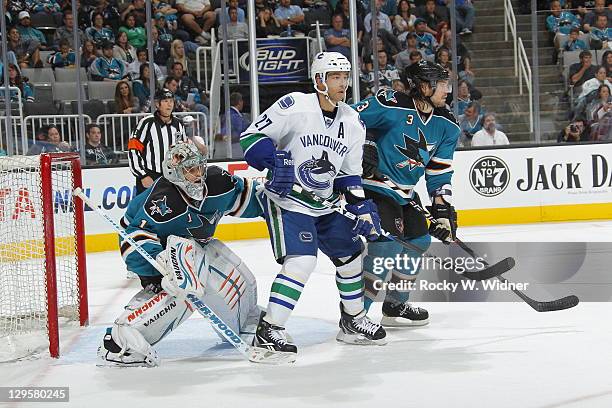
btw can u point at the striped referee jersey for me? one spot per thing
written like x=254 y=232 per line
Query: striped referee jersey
x=149 y=143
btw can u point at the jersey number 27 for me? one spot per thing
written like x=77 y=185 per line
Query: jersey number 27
x=263 y=123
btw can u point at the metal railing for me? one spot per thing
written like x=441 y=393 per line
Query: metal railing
x=20 y=144
x=68 y=125
x=118 y=128
x=204 y=50
x=522 y=69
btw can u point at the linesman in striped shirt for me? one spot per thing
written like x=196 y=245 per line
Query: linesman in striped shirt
x=153 y=136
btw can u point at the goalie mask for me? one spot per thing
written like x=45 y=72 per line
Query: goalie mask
x=185 y=167
x=323 y=64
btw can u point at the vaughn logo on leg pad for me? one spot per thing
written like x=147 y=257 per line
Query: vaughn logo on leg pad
x=178 y=273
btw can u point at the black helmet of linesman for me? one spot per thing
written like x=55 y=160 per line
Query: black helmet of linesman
x=423 y=72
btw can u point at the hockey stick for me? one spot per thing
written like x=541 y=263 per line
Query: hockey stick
x=539 y=306
x=489 y=272
x=254 y=354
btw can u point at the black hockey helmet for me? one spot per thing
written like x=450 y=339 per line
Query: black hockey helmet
x=163 y=93
x=423 y=72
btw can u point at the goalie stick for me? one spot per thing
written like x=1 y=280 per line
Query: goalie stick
x=566 y=302
x=253 y=353
x=489 y=272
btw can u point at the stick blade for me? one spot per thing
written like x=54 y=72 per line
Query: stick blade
x=491 y=271
x=560 y=304
x=265 y=356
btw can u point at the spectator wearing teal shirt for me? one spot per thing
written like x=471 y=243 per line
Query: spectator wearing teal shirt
x=50 y=7
x=64 y=58
x=425 y=41
x=98 y=33
x=16 y=81
x=574 y=43
x=560 y=22
x=106 y=67
x=600 y=33
x=28 y=32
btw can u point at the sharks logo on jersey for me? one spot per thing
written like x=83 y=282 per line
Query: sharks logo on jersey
x=317 y=173
x=412 y=151
x=160 y=207
x=201 y=228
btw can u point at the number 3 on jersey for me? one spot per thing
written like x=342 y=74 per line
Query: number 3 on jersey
x=263 y=123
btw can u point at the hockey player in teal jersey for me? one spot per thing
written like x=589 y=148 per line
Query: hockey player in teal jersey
x=174 y=221
x=408 y=135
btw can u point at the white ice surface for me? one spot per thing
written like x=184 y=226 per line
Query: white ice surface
x=471 y=354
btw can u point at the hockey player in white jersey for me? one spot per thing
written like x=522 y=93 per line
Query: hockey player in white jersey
x=315 y=140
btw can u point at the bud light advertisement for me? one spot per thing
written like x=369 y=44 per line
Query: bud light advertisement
x=278 y=60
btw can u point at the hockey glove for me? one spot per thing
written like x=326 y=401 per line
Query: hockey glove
x=370 y=159
x=446 y=227
x=283 y=174
x=368 y=220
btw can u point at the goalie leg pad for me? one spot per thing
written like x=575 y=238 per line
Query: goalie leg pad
x=147 y=319
x=231 y=288
x=184 y=264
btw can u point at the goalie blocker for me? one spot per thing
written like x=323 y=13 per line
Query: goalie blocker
x=213 y=273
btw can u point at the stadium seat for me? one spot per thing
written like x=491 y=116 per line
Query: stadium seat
x=39 y=76
x=69 y=75
x=44 y=56
x=93 y=108
x=39 y=108
x=43 y=21
x=66 y=92
x=102 y=90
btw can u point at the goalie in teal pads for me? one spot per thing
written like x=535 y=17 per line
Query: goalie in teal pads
x=174 y=221
x=409 y=135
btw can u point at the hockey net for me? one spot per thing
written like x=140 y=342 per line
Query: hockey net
x=42 y=258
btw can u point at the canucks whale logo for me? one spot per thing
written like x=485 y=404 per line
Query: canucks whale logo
x=317 y=173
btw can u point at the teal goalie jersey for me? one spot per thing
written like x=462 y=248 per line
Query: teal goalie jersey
x=408 y=144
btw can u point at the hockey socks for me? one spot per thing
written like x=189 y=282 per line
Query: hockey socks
x=288 y=287
x=349 y=280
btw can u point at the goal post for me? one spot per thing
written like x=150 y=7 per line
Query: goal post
x=43 y=280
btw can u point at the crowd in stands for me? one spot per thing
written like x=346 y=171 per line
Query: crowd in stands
x=581 y=31
x=113 y=41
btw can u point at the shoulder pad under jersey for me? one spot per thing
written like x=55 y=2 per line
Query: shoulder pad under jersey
x=165 y=202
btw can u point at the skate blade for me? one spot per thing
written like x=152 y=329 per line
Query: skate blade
x=401 y=322
x=359 y=339
x=265 y=356
x=102 y=362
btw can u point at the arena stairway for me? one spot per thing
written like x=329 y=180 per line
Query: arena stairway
x=493 y=64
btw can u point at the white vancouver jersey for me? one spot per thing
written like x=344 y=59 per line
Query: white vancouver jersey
x=322 y=149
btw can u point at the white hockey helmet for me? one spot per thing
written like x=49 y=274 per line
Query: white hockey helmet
x=325 y=62
x=179 y=167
